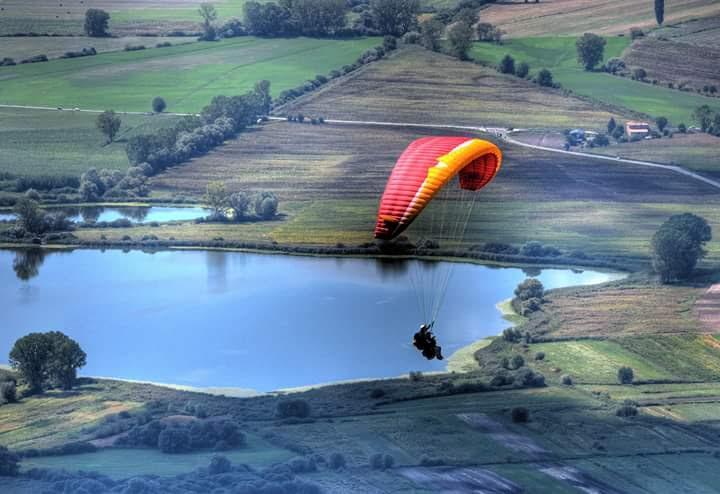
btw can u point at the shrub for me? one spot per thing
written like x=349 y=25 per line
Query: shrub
x=389 y=43
x=507 y=65
x=336 y=461
x=293 y=408
x=517 y=361
x=636 y=32
x=520 y=415
x=566 y=380
x=625 y=375
x=639 y=74
x=614 y=65
x=682 y=128
x=512 y=335
x=540 y=356
x=544 y=78
x=174 y=440
x=626 y=411
x=522 y=70
x=428 y=461
x=32 y=194
x=8 y=392
x=415 y=376
x=219 y=464
x=531 y=288
x=158 y=104
x=376 y=461
x=9 y=463
x=377 y=393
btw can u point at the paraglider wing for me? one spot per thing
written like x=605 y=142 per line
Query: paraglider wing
x=424 y=168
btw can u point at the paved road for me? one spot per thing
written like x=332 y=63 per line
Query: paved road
x=502 y=133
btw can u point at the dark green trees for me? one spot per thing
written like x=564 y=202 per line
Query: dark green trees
x=677 y=246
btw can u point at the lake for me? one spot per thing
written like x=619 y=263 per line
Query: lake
x=136 y=214
x=210 y=318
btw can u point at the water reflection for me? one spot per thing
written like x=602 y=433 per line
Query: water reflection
x=27 y=263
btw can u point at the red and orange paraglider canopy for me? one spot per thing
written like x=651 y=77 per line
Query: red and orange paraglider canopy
x=449 y=172
x=425 y=167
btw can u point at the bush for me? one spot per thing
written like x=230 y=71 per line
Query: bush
x=636 y=32
x=626 y=411
x=174 y=440
x=219 y=464
x=520 y=415
x=512 y=335
x=566 y=380
x=377 y=393
x=9 y=463
x=522 y=70
x=544 y=78
x=639 y=74
x=158 y=104
x=540 y=356
x=507 y=65
x=376 y=461
x=8 y=392
x=625 y=375
x=415 y=376
x=531 y=288
x=517 y=361
x=293 y=408
x=336 y=461
x=428 y=461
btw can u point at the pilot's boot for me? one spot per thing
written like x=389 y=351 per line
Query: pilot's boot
x=438 y=352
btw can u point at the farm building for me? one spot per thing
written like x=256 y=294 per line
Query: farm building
x=640 y=129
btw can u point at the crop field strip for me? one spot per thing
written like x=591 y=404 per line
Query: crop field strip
x=418 y=86
x=199 y=72
x=703 y=32
x=575 y=17
x=558 y=54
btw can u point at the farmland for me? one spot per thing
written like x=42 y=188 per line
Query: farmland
x=64 y=143
x=419 y=86
x=560 y=57
x=701 y=32
x=199 y=71
x=128 y=17
x=575 y=17
x=682 y=64
x=55 y=46
x=328 y=179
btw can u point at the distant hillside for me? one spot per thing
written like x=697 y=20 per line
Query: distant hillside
x=572 y=17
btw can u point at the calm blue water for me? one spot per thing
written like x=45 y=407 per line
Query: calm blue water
x=135 y=214
x=207 y=318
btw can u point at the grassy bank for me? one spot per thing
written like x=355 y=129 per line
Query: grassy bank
x=199 y=72
x=558 y=54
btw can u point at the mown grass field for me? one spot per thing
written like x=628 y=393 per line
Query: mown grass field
x=123 y=463
x=126 y=16
x=573 y=17
x=187 y=76
x=419 y=86
x=559 y=55
x=24 y=47
x=39 y=142
x=701 y=32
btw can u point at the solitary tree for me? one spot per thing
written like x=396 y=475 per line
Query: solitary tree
x=209 y=15
x=530 y=288
x=109 y=124
x=660 y=11
x=590 y=48
x=158 y=104
x=507 y=65
x=678 y=244
x=625 y=375
x=96 y=23
x=460 y=37
x=29 y=356
x=661 y=123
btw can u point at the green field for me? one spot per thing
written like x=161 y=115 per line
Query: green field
x=187 y=76
x=558 y=54
x=38 y=142
x=123 y=463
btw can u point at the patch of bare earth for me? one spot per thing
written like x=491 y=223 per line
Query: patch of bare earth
x=578 y=479
x=707 y=309
x=499 y=434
